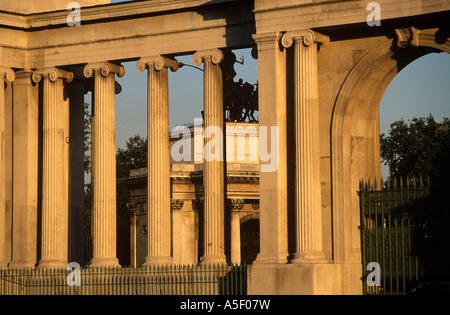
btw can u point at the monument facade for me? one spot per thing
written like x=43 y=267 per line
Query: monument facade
x=323 y=68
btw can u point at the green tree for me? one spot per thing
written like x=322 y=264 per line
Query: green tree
x=134 y=156
x=422 y=147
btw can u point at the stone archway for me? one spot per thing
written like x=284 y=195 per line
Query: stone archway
x=355 y=132
x=249 y=238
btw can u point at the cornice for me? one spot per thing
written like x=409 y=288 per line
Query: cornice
x=103 y=13
x=13 y=20
x=196 y=178
x=278 y=7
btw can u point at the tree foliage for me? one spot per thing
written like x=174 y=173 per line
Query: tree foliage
x=420 y=147
x=134 y=156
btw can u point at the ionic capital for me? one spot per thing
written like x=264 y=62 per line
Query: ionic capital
x=159 y=62
x=7 y=73
x=216 y=56
x=105 y=68
x=53 y=74
x=307 y=37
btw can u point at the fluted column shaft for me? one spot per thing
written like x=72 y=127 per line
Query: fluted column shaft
x=54 y=250
x=103 y=210
x=213 y=172
x=308 y=190
x=236 y=207
x=159 y=211
x=5 y=74
x=272 y=115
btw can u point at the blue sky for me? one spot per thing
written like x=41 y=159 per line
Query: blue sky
x=420 y=89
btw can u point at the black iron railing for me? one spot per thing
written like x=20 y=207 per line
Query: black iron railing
x=390 y=225
x=212 y=279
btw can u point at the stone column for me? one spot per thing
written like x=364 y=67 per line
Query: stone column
x=25 y=170
x=54 y=250
x=159 y=214
x=308 y=190
x=184 y=239
x=133 y=230
x=104 y=163
x=272 y=116
x=5 y=74
x=188 y=242
x=213 y=178
x=235 y=208
x=178 y=235
x=8 y=167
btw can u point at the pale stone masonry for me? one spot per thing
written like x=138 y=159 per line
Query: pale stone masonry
x=104 y=163
x=273 y=185
x=5 y=74
x=159 y=244
x=322 y=71
x=55 y=206
x=307 y=176
x=26 y=7
x=25 y=162
x=214 y=167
